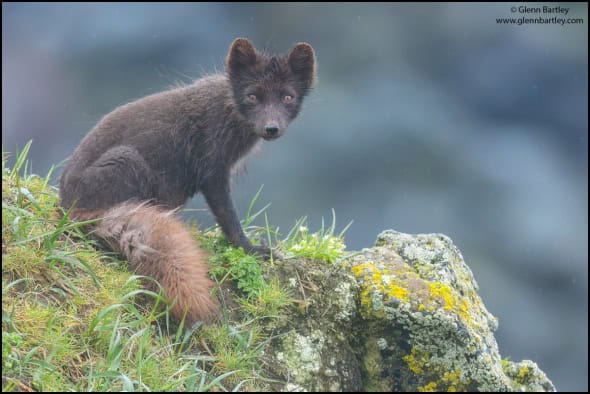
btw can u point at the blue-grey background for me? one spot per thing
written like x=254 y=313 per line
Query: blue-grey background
x=426 y=118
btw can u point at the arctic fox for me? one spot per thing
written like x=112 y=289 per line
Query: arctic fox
x=148 y=157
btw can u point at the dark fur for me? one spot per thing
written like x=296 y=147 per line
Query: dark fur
x=162 y=149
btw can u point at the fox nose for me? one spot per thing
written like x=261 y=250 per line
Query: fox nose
x=272 y=129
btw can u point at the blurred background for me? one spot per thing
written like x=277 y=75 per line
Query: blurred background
x=426 y=118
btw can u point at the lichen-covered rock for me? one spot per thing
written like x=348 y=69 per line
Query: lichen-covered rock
x=404 y=315
x=526 y=376
x=312 y=348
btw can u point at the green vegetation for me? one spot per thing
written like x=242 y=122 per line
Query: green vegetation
x=75 y=319
x=262 y=299
x=323 y=245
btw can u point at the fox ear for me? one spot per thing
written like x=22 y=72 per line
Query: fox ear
x=241 y=55
x=302 y=62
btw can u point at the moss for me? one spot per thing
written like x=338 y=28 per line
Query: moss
x=372 y=362
x=70 y=317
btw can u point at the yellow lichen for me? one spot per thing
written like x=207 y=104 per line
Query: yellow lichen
x=377 y=281
x=416 y=360
x=451 y=301
x=452 y=377
x=522 y=373
x=407 y=286
x=398 y=292
x=369 y=273
x=443 y=292
x=366 y=269
x=428 y=388
x=454 y=381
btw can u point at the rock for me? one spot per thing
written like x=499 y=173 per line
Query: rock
x=313 y=349
x=404 y=315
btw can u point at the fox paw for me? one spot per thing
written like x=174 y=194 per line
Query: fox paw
x=264 y=251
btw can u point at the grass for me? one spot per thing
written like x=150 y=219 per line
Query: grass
x=75 y=319
x=300 y=243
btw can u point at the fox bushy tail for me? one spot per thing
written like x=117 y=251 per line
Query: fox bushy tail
x=157 y=244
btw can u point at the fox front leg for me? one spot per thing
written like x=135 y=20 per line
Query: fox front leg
x=217 y=195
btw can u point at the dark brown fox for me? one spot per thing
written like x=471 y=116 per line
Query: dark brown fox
x=147 y=158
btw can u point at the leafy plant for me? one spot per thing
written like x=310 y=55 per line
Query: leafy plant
x=323 y=244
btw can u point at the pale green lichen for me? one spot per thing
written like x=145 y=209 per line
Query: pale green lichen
x=302 y=354
x=345 y=301
x=382 y=343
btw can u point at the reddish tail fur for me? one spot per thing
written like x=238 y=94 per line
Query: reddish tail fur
x=157 y=244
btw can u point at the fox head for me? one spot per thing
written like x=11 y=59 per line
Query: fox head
x=268 y=90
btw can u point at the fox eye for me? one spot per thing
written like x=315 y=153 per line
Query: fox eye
x=287 y=99
x=252 y=98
